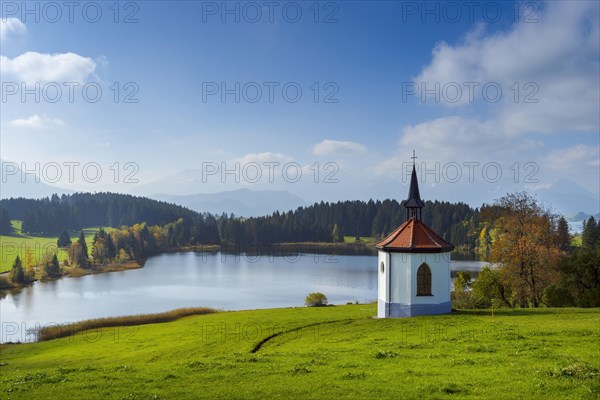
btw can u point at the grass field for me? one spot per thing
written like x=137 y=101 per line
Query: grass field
x=365 y=239
x=328 y=352
x=17 y=243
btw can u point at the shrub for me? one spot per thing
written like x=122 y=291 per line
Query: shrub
x=315 y=300
x=557 y=296
x=462 y=300
x=5 y=283
x=488 y=289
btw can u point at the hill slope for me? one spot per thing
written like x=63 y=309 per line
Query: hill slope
x=329 y=352
x=52 y=215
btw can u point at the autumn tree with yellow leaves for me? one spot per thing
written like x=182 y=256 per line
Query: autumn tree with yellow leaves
x=525 y=249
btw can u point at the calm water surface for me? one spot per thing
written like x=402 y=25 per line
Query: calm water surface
x=174 y=280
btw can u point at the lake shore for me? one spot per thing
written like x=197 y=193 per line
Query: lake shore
x=254 y=250
x=75 y=272
x=99 y=269
x=273 y=249
x=188 y=279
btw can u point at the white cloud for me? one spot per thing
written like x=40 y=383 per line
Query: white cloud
x=10 y=27
x=573 y=158
x=444 y=135
x=463 y=141
x=457 y=139
x=559 y=55
x=34 y=67
x=263 y=157
x=328 y=147
x=35 y=121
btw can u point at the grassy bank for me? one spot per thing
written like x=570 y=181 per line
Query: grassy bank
x=98 y=269
x=72 y=272
x=325 y=352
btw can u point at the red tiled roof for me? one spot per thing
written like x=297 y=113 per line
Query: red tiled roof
x=414 y=236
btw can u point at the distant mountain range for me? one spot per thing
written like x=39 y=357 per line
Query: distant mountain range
x=241 y=202
x=580 y=216
x=569 y=199
x=564 y=196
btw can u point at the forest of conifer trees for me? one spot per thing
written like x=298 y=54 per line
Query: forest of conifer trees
x=458 y=223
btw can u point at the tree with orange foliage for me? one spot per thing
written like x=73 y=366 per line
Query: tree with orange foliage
x=526 y=249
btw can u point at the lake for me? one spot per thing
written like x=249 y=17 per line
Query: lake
x=175 y=280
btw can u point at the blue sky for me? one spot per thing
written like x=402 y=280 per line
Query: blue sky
x=366 y=58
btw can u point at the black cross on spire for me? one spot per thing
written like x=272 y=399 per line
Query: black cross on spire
x=414 y=157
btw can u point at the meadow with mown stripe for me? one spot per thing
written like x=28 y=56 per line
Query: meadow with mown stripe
x=321 y=352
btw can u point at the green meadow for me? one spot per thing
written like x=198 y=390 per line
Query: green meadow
x=19 y=243
x=365 y=239
x=318 y=353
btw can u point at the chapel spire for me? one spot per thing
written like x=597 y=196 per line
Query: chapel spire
x=413 y=204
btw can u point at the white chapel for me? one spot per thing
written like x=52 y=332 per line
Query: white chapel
x=413 y=265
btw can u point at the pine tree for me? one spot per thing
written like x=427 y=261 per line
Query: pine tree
x=64 y=240
x=562 y=234
x=52 y=267
x=111 y=252
x=591 y=233
x=83 y=245
x=17 y=273
x=5 y=226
